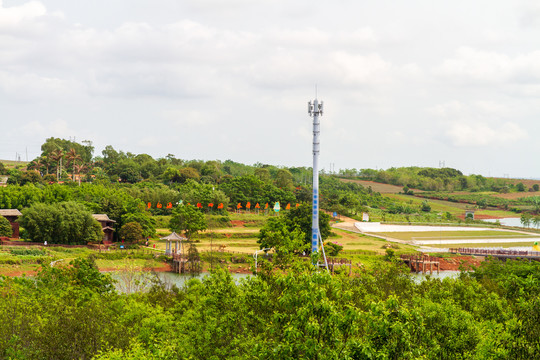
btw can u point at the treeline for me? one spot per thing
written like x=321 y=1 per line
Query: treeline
x=74 y=312
x=436 y=179
x=117 y=183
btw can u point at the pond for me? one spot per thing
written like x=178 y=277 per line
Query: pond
x=441 y=275
x=139 y=281
x=513 y=221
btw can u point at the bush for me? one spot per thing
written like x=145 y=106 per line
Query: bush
x=131 y=232
x=5 y=227
x=333 y=248
x=32 y=252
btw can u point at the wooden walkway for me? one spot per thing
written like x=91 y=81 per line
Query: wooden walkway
x=421 y=263
x=498 y=253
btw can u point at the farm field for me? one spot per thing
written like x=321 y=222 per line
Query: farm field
x=454 y=208
x=517 y=195
x=525 y=244
x=455 y=235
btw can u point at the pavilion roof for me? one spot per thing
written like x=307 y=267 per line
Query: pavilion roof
x=173 y=236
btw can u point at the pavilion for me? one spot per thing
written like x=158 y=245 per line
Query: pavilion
x=173 y=237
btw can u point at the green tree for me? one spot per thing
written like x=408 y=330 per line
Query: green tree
x=263 y=174
x=275 y=234
x=284 y=180
x=30 y=177
x=5 y=227
x=301 y=217
x=188 y=219
x=520 y=187
x=61 y=223
x=147 y=223
x=188 y=173
x=131 y=232
x=526 y=219
x=425 y=206
x=3 y=169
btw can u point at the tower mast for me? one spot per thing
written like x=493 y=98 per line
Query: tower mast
x=315 y=109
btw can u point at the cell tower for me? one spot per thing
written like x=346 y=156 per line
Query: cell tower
x=315 y=110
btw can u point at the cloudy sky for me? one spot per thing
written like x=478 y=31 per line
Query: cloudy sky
x=404 y=83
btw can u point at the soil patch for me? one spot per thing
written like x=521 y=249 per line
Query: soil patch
x=238 y=223
x=454 y=263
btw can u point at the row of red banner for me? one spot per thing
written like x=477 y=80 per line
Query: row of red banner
x=220 y=205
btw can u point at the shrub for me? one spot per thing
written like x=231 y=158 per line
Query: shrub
x=5 y=227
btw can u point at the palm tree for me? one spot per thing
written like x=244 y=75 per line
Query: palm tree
x=57 y=155
x=78 y=168
x=72 y=158
x=36 y=164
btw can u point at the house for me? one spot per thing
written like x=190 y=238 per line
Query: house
x=107 y=227
x=12 y=215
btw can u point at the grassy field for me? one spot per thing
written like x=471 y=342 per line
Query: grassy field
x=11 y=164
x=455 y=235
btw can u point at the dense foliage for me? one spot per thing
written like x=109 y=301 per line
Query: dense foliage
x=5 y=227
x=378 y=314
x=434 y=179
x=61 y=223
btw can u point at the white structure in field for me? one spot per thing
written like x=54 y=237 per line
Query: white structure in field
x=315 y=110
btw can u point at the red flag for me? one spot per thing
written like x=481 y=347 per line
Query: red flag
x=220 y=206
x=266 y=206
x=159 y=205
x=149 y=205
x=210 y=205
x=257 y=206
x=288 y=207
x=199 y=205
x=169 y=206
x=297 y=204
x=238 y=206
x=248 y=205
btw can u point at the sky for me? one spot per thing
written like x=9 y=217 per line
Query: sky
x=404 y=83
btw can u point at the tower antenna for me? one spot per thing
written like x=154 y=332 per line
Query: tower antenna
x=315 y=109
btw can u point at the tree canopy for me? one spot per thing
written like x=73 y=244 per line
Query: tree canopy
x=188 y=219
x=61 y=223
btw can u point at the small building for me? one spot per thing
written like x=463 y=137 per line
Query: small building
x=107 y=227
x=12 y=215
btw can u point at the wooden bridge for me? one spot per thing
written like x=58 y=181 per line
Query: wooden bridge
x=421 y=263
x=498 y=253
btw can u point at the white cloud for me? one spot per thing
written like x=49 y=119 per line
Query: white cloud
x=483 y=134
x=488 y=67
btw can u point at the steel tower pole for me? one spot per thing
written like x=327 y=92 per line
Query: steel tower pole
x=315 y=110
